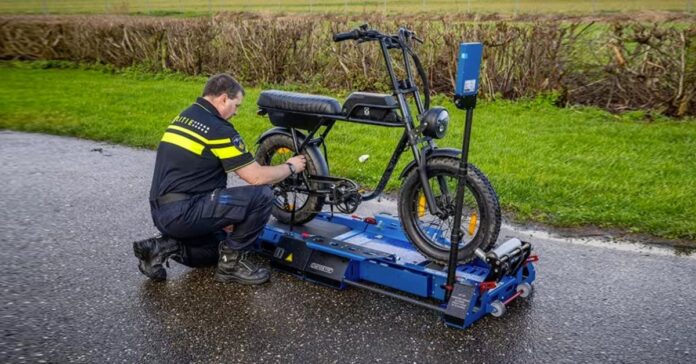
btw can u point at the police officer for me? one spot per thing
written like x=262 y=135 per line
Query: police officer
x=201 y=220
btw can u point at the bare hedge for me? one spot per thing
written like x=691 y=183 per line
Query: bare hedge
x=626 y=65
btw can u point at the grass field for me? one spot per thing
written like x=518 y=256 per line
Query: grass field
x=567 y=167
x=167 y=7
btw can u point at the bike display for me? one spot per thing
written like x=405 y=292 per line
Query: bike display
x=426 y=201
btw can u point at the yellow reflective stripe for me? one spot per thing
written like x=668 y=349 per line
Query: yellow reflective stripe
x=227 y=152
x=199 y=137
x=183 y=142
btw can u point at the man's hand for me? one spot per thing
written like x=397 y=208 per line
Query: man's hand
x=299 y=161
x=255 y=174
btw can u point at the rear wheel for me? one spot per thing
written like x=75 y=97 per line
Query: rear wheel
x=431 y=234
x=276 y=150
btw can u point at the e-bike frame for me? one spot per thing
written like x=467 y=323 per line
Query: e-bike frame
x=410 y=137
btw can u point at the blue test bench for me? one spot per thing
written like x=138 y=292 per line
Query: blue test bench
x=373 y=253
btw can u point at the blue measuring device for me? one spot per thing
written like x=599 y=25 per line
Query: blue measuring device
x=468 y=74
x=465 y=91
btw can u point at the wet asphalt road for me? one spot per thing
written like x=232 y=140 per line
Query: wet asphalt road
x=70 y=290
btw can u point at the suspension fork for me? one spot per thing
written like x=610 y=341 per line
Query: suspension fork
x=421 y=165
x=444 y=189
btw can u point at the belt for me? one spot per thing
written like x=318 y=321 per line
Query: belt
x=172 y=197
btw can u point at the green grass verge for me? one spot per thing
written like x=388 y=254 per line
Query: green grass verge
x=565 y=167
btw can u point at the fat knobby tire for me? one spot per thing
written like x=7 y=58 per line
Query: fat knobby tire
x=484 y=194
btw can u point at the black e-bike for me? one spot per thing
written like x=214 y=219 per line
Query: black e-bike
x=426 y=202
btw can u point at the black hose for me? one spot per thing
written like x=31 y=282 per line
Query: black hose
x=422 y=75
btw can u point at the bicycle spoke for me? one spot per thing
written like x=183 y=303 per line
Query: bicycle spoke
x=278 y=157
x=438 y=230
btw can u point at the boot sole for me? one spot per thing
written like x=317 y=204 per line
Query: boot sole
x=142 y=254
x=230 y=279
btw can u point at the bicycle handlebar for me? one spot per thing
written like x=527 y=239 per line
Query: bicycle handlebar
x=352 y=35
x=364 y=34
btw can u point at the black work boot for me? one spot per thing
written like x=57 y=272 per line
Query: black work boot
x=153 y=254
x=235 y=266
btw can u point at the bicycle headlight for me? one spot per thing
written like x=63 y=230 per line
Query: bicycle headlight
x=434 y=122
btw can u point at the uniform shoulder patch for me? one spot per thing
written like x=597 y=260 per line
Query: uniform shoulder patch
x=239 y=143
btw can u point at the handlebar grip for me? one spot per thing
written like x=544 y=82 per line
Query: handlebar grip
x=340 y=37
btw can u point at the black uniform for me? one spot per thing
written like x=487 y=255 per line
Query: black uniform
x=189 y=198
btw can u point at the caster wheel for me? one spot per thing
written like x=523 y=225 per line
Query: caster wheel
x=525 y=289
x=498 y=308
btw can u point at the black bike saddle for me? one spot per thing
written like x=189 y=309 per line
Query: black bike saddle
x=297 y=102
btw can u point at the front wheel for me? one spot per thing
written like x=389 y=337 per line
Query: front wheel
x=431 y=234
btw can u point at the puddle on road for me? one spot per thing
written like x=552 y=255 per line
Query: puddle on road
x=684 y=250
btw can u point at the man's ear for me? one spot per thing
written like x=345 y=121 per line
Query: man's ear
x=237 y=97
x=220 y=98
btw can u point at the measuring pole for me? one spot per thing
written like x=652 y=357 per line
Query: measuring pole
x=465 y=92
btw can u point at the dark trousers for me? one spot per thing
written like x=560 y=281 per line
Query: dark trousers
x=199 y=221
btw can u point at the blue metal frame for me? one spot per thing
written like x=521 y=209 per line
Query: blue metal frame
x=379 y=253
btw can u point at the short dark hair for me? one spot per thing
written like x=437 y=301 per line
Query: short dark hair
x=222 y=83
